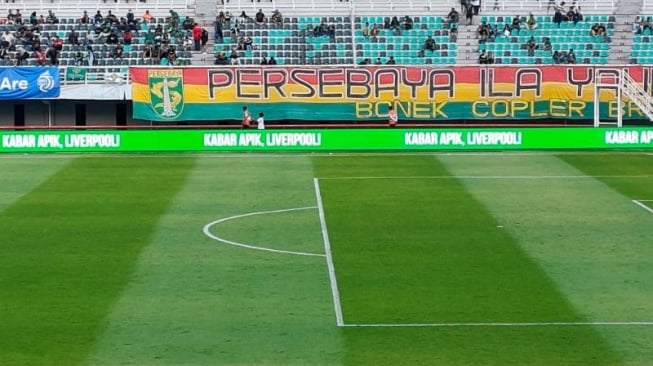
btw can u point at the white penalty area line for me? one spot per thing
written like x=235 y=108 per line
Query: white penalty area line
x=207 y=232
x=641 y=204
x=493 y=177
x=506 y=325
x=329 y=259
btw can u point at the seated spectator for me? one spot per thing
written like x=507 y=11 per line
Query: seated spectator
x=260 y=17
x=429 y=44
x=221 y=59
x=556 y=57
x=637 y=25
x=531 y=46
x=483 y=57
x=18 y=17
x=57 y=43
x=39 y=55
x=264 y=60
x=546 y=44
x=52 y=55
x=7 y=40
x=73 y=38
x=453 y=17
x=276 y=17
x=112 y=38
x=249 y=43
x=378 y=61
x=391 y=61
x=98 y=18
x=571 y=57
x=117 y=51
x=408 y=23
x=375 y=31
x=244 y=16
x=483 y=32
x=111 y=18
x=127 y=37
x=394 y=23
x=51 y=19
x=366 y=30
x=20 y=56
x=85 y=19
x=148 y=52
x=79 y=58
x=365 y=62
x=172 y=55
x=4 y=53
x=10 y=17
x=506 y=30
x=234 y=57
x=531 y=23
x=89 y=55
x=147 y=17
x=558 y=18
x=272 y=61
x=130 y=16
x=516 y=23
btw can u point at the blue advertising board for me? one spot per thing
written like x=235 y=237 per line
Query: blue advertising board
x=29 y=83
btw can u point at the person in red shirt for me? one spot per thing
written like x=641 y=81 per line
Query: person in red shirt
x=197 y=36
x=392 y=117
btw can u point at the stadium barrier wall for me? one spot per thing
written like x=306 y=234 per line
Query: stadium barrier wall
x=310 y=140
x=495 y=93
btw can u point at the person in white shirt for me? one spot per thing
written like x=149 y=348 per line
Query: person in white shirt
x=260 y=122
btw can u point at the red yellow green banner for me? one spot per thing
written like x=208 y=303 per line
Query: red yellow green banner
x=365 y=93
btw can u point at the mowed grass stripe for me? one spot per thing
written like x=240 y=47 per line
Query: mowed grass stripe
x=196 y=301
x=19 y=175
x=428 y=252
x=68 y=249
x=589 y=238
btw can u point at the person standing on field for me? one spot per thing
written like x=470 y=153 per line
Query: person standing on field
x=247 y=119
x=392 y=117
x=260 y=122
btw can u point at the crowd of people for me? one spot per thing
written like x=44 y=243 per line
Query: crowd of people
x=25 y=39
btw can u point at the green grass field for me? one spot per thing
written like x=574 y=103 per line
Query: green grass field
x=363 y=259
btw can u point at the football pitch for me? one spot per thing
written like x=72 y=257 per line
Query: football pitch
x=316 y=259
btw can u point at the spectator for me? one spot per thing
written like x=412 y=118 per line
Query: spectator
x=148 y=52
x=556 y=57
x=531 y=46
x=112 y=38
x=516 y=23
x=130 y=16
x=597 y=30
x=174 y=19
x=221 y=59
x=469 y=14
x=476 y=5
x=463 y=6
x=147 y=17
x=20 y=56
x=73 y=38
x=394 y=23
x=39 y=55
x=272 y=61
x=483 y=57
x=429 y=44
x=260 y=17
x=51 y=19
x=637 y=25
x=490 y=58
x=453 y=17
x=18 y=17
x=127 y=38
x=408 y=23
x=558 y=17
x=235 y=60
x=33 y=20
x=365 y=62
x=276 y=17
x=111 y=18
x=197 y=36
x=98 y=18
x=366 y=30
x=217 y=33
x=391 y=61
x=248 y=42
x=90 y=56
x=7 y=40
x=57 y=43
x=483 y=32
x=117 y=51
x=453 y=35
x=571 y=57
x=646 y=24
x=52 y=56
x=205 y=39
x=264 y=60
x=375 y=31
x=546 y=44
x=531 y=23
x=378 y=61
x=79 y=58
x=506 y=30
x=85 y=19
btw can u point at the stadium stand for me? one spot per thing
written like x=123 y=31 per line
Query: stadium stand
x=329 y=32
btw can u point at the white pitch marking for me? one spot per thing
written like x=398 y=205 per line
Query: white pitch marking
x=491 y=177
x=327 y=249
x=525 y=324
x=208 y=233
x=644 y=206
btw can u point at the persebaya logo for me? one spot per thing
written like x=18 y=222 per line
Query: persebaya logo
x=166 y=92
